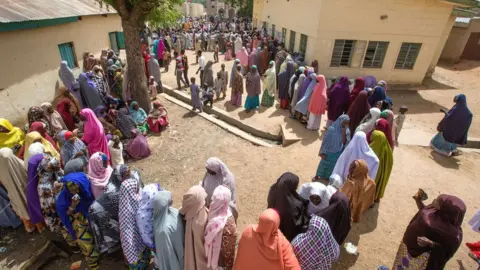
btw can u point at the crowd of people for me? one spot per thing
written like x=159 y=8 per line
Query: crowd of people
x=65 y=171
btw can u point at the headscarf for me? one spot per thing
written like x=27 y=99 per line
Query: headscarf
x=263 y=246
x=90 y=95
x=70 y=149
x=252 y=58
x=138 y=115
x=195 y=215
x=94 y=135
x=270 y=82
x=360 y=189
x=63 y=109
x=132 y=243
x=389 y=116
x=316 y=248
x=383 y=126
x=370 y=81
x=36 y=114
x=14 y=179
x=293 y=210
x=98 y=174
x=64 y=199
x=66 y=75
x=318 y=102
x=154 y=67
x=33 y=201
x=305 y=84
x=234 y=71
x=378 y=95
x=13 y=137
x=315 y=188
x=383 y=84
x=208 y=74
x=379 y=144
x=358 y=109
x=223 y=176
x=35 y=136
x=253 y=83
x=218 y=214
x=358 y=87
x=242 y=55
x=304 y=102
x=75 y=165
x=168 y=231
x=333 y=142
x=125 y=123
x=284 y=79
x=338 y=99
x=369 y=125
x=98 y=111
x=456 y=123
x=54 y=118
x=338 y=216
x=145 y=214
x=40 y=128
x=358 y=148
x=443 y=226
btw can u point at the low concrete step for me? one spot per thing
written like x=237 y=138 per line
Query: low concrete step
x=288 y=137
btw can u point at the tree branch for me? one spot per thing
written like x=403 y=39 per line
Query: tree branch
x=121 y=7
x=142 y=8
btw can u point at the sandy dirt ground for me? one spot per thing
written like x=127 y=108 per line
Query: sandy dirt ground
x=179 y=155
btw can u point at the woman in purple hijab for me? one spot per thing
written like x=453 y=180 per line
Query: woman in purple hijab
x=338 y=100
x=284 y=84
x=370 y=81
x=305 y=85
x=33 y=201
x=453 y=129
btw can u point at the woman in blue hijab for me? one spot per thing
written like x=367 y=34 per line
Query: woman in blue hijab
x=72 y=207
x=453 y=129
x=377 y=95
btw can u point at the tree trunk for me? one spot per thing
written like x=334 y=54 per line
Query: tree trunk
x=136 y=64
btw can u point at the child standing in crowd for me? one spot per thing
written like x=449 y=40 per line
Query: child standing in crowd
x=207 y=95
x=398 y=123
x=166 y=60
x=215 y=54
x=219 y=85
x=152 y=88
x=195 y=96
x=179 y=70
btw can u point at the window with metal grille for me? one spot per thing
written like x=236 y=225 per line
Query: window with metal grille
x=273 y=30
x=342 y=53
x=303 y=43
x=291 y=46
x=67 y=53
x=375 y=54
x=284 y=35
x=408 y=55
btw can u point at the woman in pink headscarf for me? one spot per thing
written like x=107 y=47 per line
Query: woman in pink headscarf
x=242 y=55
x=160 y=51
x=99 y=173
x=94 y=135
x=318 y=104
x=221 y=231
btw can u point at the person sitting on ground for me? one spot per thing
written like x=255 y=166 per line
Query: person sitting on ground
x=359 y=188
x=125 y=123
x=10 y=136
x=99 y=173
x=71 y=147
x=264 y=246
x=207 y=95
x=317 y=194
x=53 y=117
x=157 y=118
x=139 y=116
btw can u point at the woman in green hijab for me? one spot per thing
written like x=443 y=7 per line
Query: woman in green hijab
x=381 y=147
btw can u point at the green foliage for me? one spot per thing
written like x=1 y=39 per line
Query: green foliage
x=166 y=15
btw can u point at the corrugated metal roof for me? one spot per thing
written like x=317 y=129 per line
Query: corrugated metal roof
x=32 y=10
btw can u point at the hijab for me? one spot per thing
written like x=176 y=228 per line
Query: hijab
x=338 y=216
x=94 y=135
x=195 y=215
x=306 y=83
x=293 y=210
x=54 y=118
x=370 y=81
x=315 y=188
x=14 y=179
x=442 y=225
x=66 y=75
x=125 y=123
x=360 y=189
x=223 y=176
x=358 y=87
x=318 y=102
x=63 y=109
x=284 y=79
x=358 y=109
x=30 y=139
x=383 y=126
x=154 y=67
x=333 y=138
x=13 y=137
x=218 y=214
x=369 y=125
x=40 y=128
x=338 y=99
x=302 y=105
x=70 y=148
x=168 y=232
x=98 y=173
x=75 y=165
x=64 y=199
x=33 y=201
x=270 y=81
x=263 y=246
x=138 y=115
x=457 y=121
x=316 y=248
x=380 y=145
x=145 y=214
x=378 y=95
x=131 y=240
x=36 y=114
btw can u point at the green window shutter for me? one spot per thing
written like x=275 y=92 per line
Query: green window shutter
x=66 y=53
x=113 y=41
x=121 y=40
x=292 y=41
x=303 y=44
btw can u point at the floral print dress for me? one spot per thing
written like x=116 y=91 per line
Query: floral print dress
x=49 y=171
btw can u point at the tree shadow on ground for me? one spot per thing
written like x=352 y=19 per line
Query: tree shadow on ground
x=446 y=162
x=414 y=101
x=461 y=65
x=434 y=84
x=189 y=114
x=366 y=225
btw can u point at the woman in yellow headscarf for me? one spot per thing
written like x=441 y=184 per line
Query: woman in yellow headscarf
x=381 y=147
x=10 y=136
x=34 y=137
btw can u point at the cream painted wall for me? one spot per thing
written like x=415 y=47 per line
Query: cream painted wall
x=457 y=40
x=418 y=21
x=30 y=60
